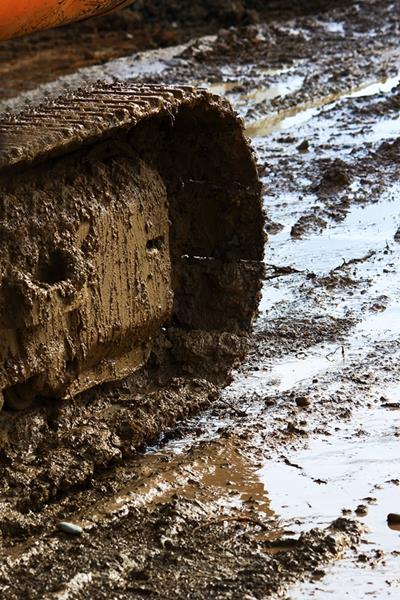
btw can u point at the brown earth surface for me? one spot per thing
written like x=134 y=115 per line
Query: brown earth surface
x=43 y=56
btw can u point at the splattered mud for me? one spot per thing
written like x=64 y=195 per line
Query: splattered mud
x=282 y=485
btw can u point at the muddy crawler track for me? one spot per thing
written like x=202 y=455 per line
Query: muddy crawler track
x=77 y=311
x=215 y=246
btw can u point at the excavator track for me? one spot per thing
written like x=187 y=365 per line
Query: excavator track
x=132 y=230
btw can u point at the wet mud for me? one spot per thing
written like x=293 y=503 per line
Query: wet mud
x=141 y=26
x=281 y=484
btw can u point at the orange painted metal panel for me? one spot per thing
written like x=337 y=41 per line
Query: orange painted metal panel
x=20 y=17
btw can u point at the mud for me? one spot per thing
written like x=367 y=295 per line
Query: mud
x=143 y=25
x=73 y=315
x=242 y=499
x=180 y=534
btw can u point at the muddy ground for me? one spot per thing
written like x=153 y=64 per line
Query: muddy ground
x=41 y=57
x=281 y=485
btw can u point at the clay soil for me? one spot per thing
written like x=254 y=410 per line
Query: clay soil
x=279 y=485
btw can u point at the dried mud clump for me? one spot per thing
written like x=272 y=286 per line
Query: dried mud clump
x=335 y=178
x=307 y=224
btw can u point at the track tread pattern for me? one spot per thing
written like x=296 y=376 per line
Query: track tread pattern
x=89 y=115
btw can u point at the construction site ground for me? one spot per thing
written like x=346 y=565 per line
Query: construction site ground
x=280 y=485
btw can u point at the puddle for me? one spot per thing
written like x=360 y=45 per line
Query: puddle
x=222 y=88
x=364 y=228
x=335 y=27
x=337 y=473
x=222 y=475
x=258 y=95
x=293 y=371
x=288 y=119
x=340 y=472
x=275 y=90
x=385 y=129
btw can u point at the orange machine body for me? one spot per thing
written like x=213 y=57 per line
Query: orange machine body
x=20 y=17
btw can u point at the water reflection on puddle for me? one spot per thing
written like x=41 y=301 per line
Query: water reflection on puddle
x=364 y=228
x=254 y=96
x=337 y=472
x=352 y=578
x=340 y=472
x=300 y=114
x=291 y=371
x=335 y=27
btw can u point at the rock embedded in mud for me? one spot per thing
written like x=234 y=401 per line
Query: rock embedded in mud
x=393 y=519
x=306 y=224
x=70 y=528
x=335 y=178
x=303 y=401
x=361 y=510
x=304 y=146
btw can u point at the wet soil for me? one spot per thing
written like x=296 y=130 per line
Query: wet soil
x=24 y=63
x=259 y=494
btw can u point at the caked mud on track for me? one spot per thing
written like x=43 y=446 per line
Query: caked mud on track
x=158 y=220
x=170 y=175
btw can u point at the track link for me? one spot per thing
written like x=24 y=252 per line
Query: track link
x=132 y=226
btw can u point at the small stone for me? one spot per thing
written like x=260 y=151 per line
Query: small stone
x=370 y=500
x=70 y=528
x=302 y=401
x=270 y=402
x=363 y=558
x=318 y=574
x=361 y=510
x=393 y=519
x=304 y=146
